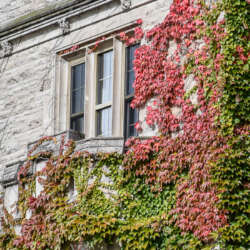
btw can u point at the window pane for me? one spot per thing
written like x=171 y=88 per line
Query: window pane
x=130 y=120
x=130 y=77
x=78 y=88
x=104 y=122
x=107 y=63
x=76 y=123
x=105 y=90
x=132 y=131
x=130 y=80
x=105 y=77
x=77 y=96
x=131 y=115
x=77 y=101
x=78 y=76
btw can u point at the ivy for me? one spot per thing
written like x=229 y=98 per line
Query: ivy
x=187 y=188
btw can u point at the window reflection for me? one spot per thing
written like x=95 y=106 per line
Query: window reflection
x=104 y=93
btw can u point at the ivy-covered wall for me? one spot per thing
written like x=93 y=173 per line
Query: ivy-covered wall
x=185 y=189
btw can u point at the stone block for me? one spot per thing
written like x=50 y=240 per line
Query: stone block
x=10 y=174
x=10 y=200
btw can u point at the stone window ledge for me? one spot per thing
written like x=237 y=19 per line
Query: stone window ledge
x=92 y=145
x=10 y=174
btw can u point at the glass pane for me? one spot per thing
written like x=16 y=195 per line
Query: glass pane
x=130 y=77
x=132 y=131
x=104 y=122
x=78 y=76
x=76 y=124
x=105 y=72
x=77 y=102
x=130 y=81
x=78 y=88
x=130 y=120
x=105 y=90
x=131 y=57
x=107 y=64
x=133 y=115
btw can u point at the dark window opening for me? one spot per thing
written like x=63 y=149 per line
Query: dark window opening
x=131 y=115
x=77 y=97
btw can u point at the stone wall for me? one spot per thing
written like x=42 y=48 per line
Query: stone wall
x=12 y=9
x=27 y=76
x=23 y=102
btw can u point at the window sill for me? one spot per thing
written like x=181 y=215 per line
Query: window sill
x=101 y=144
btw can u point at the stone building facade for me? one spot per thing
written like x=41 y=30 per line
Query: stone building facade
x=40 y=42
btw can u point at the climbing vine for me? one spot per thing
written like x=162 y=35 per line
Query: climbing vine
x=187 y=188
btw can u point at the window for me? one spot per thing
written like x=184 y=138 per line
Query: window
x=77 y=97
x=131 y=115
x=94 y=90
x=104 y=94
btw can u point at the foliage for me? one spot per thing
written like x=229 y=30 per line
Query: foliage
x=187 y=188
x=7 y=239
x=111 y=205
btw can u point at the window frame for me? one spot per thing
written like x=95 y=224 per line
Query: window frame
x=87 y=52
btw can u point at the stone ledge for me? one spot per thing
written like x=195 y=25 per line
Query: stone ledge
x=50 y=146
x=10 y=174
x=45 y=17
x=101 y=144
x=93 y=145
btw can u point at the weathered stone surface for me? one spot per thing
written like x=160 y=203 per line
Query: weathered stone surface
x=12 y=9
x=10 y=200
x=10 y=174
x=22 y=106
x=27 y=102
x=39 y=167
x=52 y=146
x=27 y=81
x=95 y=145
